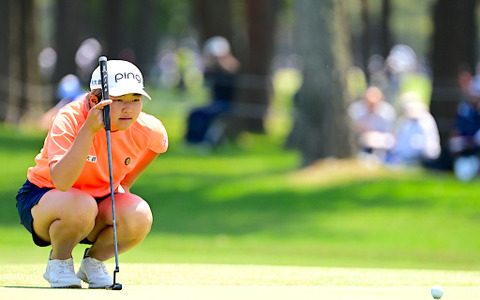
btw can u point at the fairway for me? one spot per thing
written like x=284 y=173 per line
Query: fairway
x=179 y=281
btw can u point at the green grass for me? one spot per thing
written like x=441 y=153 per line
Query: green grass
x=253 y=275
x=186 y=281
x=249 y=205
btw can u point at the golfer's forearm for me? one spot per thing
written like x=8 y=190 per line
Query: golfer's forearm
x=66 y=171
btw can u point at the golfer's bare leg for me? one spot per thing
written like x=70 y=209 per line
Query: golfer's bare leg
x=134 y=220
x=64 y=219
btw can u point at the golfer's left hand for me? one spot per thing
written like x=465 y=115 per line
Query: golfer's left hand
x=94 y=120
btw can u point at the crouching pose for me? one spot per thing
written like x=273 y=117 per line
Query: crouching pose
x=66 y=198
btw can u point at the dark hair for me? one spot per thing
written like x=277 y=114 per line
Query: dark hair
x=97 y=93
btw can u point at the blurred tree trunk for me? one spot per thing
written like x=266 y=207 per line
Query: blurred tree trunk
x=213 y=18
x=113 y=22
x=365 y=35
x=145 y=36
x=4 y=52
x=321 y=126
x=386 y=42
x=454 y=45
x=26 y=94
x=127 y=31
x=70 y=18
x=254 y=82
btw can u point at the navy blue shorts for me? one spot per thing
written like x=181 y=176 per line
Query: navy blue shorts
x=28 y=196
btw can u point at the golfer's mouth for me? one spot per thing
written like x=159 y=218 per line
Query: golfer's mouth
x=125 y=119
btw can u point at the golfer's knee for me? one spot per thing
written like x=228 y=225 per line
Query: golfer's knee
x=82 y=211
x=138 y=222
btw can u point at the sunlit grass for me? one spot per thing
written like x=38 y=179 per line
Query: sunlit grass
x=250 y=204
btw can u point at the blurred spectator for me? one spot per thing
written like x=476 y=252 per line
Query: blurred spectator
x=166 y=69
x=464 y=142
x=400 y=62
x=47 y=60
x=465 y=136
x=407 y=73
x=179 y=67
x=86 y=58
x=69 y=89
x=464 y=78
x=373 y=121
x=416 y=137
x=221 y=69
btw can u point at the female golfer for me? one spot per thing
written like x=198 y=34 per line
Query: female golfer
x=66 y=198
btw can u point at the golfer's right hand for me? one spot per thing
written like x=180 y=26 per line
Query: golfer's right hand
x=94 y=120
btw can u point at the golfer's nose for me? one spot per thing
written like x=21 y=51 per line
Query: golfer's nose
x=127 y=107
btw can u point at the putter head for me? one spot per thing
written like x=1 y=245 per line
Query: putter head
x=116 y=287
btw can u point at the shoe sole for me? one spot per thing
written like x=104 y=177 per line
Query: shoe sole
x=73 y=286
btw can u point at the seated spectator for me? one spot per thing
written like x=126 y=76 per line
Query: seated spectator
x=465 y=136
x=373 y=121
x=464 y=142
x=416 y=137
x=221 y=69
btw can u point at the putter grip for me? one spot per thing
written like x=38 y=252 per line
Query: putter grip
x=102 y=60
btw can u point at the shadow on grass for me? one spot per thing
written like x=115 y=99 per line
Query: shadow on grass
x=20 y=143
x=285 y=211
x=26 y=287
x=210 y=200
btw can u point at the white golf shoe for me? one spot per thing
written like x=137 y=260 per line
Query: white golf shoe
x=61 y=274
x=94 y=272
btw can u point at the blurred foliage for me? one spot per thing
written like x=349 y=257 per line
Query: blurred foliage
x=410 y=22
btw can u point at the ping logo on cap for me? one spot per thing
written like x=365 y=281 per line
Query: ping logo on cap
x=120 y=76
x=123 y=78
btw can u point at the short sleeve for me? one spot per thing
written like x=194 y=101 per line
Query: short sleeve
x=158 y=141
x=62 y=136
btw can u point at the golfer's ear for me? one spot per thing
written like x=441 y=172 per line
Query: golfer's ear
x=93 y=99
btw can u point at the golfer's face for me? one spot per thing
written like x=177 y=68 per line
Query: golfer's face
x=125 y=110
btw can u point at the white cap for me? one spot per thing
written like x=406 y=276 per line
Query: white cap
x=123 y=78
x=217 y=46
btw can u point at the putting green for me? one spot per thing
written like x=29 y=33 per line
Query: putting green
x=241 y=292
x=177 y=281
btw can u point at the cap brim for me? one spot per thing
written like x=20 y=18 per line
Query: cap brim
x=123 y=90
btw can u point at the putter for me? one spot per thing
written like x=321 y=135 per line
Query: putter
x=106 y=120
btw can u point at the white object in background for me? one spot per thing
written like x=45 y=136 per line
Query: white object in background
x=466 y=167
